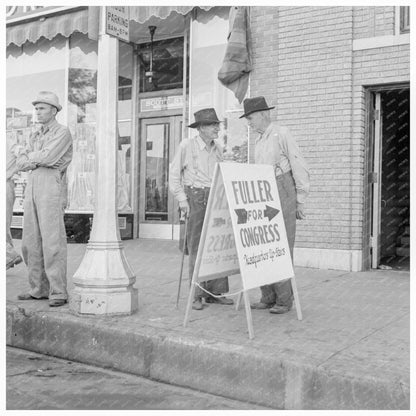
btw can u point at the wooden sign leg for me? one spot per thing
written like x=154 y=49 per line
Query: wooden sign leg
x=248 y=316
x=237 y=304
x=189 y=304
x=296 y=297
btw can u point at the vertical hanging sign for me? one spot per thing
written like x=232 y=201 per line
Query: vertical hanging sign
x=117 y=22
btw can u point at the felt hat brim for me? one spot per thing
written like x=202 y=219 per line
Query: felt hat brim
x=255 y=111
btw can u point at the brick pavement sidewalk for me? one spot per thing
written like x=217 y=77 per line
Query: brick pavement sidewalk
x=350 y=351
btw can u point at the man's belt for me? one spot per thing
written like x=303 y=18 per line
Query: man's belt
x=195 y=188
x=279 y=172
x=193 y=191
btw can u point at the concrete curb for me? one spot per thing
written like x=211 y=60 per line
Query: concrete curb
x=214 y=367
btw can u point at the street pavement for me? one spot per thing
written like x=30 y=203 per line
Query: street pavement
x=350 y=351
x=39 y=382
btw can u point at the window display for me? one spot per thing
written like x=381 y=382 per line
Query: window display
x=31 y=68
x=165 y=57
x=82 y=98
x=43 y=66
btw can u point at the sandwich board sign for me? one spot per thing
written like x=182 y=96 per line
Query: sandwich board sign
x=244 y=233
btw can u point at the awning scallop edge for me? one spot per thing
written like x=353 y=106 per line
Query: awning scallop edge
x=141 y=14
x=83 y=21
x=48 y=27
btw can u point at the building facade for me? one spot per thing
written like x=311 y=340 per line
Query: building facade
x=55 y=49
x=340 y=79
x=338 y=76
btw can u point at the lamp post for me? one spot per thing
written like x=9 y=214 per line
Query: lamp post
x=104 y=280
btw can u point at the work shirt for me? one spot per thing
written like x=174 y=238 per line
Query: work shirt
x=193 y=165
x=277 y=147
x=50 y=147
x=11 y=167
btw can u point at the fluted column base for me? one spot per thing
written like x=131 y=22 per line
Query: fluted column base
x=104 y=282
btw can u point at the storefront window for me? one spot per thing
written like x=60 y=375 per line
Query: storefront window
x=166 y=62
x=125 y=92
x=31 y=68
x=82 y=107
x=209 y=31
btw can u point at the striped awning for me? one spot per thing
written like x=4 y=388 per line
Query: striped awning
x=84 y=21
x=144 y=13
x=48 y=26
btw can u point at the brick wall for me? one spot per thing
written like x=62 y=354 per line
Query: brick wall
x=304 y=64
x=373 y=21
x=305 y=69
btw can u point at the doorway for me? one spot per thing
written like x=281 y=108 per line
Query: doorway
x=390 y=240
x=158 y=214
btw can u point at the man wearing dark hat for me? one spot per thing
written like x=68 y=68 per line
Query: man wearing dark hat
x=190 y=179
x=276 y=146
x=46 y=157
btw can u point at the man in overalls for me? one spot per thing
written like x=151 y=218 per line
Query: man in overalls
x=190 y=179
x=276 y=146
x=46 y=157
x=12 y=257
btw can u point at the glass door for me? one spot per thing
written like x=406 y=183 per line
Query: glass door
x=157 y=213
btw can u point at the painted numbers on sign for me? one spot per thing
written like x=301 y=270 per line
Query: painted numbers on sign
x=219 y=257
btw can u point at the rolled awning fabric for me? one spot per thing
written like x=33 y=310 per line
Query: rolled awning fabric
x=236 y=66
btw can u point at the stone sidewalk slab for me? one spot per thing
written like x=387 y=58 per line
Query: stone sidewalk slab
x=350 y=351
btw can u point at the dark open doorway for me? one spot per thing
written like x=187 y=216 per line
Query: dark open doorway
x=395 y=179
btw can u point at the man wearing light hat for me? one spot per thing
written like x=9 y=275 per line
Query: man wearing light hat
x=276 y=146
x=190 y=179
x=46 y=157
x=12 y=257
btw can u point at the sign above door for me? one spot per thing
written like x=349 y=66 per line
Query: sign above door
x=161 y=103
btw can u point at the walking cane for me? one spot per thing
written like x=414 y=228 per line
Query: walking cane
x=183 y=257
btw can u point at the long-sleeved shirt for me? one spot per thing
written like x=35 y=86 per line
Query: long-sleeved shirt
x=50 y=147
x=277 y=147
x=11 y=167
x=193 y=165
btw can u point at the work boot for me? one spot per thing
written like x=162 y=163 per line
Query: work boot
x=279 y=309
x=18 y=259
x=57 y=302
x=261 y=305
x=197 y=304
x=28 y=296
x=222 y=300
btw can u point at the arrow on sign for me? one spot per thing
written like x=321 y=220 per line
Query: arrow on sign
x=242 y=215
x=270 y=212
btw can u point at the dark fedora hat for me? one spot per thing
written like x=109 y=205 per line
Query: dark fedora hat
x=251 y=105
x=205 y=116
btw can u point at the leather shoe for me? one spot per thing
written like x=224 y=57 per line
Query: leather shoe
x=221 y=301
x=28 y=296
x=197 y=305
x=18 y=259
x=261 y=305
x=57 y=302
x=280 y=309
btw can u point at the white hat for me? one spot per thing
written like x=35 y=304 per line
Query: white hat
x=48 y=97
